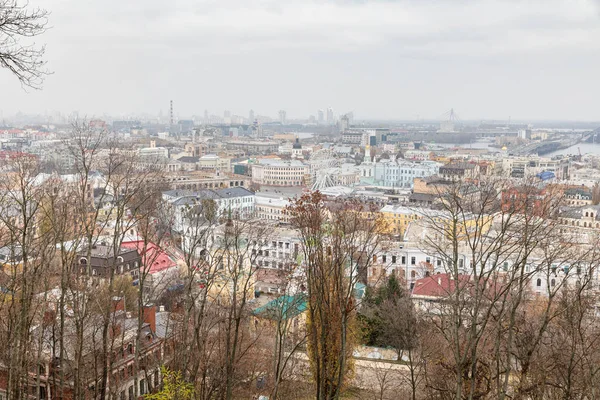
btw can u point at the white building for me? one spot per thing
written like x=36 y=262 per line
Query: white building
x=213 y=161
x=238 y=201
x=417 y=155
x=401 y=173
x=278 y=172
x=270 y=208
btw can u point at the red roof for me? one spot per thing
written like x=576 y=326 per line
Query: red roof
x=440 y=285
x=152 y=253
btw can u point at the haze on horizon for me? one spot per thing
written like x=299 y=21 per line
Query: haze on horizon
x=381 y=59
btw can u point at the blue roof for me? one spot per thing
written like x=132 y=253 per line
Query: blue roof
x=545 y=175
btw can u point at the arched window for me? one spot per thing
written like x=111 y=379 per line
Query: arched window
x=539 y=282
x=413 y=274
x=83 y=261
x=587 y=214
x=119 y=259
x=130 y=348
x=552 y=282
x=585 y=224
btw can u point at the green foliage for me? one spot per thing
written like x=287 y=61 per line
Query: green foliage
x=174 y=387
x=371 y=317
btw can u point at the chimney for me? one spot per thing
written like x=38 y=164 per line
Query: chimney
x=150 y=316
x=118 y=304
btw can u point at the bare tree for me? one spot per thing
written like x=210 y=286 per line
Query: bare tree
x=339 y=241
x=19 y=23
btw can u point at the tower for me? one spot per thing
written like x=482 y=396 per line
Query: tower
x=282 y=117
x=171 y=118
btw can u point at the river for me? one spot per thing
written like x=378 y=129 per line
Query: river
x=586 y=148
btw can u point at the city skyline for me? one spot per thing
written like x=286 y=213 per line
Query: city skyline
x=387 y=60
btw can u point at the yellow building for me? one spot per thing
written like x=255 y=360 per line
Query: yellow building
x=398 y=217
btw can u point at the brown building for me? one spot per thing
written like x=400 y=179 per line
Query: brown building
x=459 y=170
x=103 y=259
x=58 y=370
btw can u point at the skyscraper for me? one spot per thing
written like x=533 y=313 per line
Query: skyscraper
x=321 y=117
x=344 y=123
x=282 y=117
x=251 y=116
x=330 y=116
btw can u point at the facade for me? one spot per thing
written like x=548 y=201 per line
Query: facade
x=417 y=155
x=587 y=216
x=401 y=173
x=578 y=196
x=103 y=259
x=272 y=209
x=459 y=170
x=237 y=201
x=279 y=172
x=352 y=137
x=256 y=147
x=523 y=167
x=56 y=379
x=197 y=180
x=213 y=161
x=398 y=217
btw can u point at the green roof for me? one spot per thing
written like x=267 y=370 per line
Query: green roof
x=283 y=307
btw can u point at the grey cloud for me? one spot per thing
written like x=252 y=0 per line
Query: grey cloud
x=381 y=58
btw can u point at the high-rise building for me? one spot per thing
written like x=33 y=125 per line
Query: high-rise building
x=330 y=116
x=344 y=123
x=282 y=117
x=350 y=116
x=206 y=118
x=251 y=116
x=321 y=116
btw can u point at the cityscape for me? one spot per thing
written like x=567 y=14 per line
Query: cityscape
x=294 y=247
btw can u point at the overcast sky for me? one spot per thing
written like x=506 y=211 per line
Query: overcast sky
x=382 y=59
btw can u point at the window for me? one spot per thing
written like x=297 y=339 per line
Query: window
x=142 y=387
x=428 y=260
x=131 y=392
x=461 y=263
x=403 y=259
x=538 y=283
x=393 y=259
x=439 y=263
x=552 y=282
x=413 y=260
x=383 y=258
